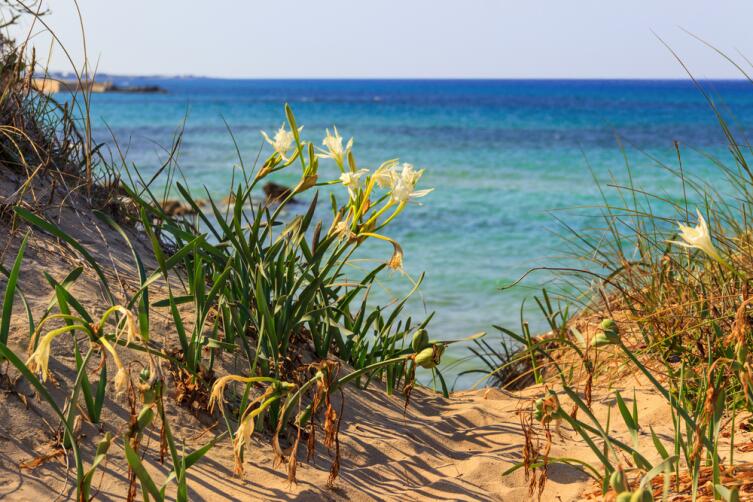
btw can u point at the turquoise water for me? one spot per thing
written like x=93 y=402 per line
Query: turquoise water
x=500 y=155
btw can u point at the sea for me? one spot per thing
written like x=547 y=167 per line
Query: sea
x=507 y=159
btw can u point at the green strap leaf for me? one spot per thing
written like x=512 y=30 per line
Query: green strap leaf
x=10 y=290
x=138 y=468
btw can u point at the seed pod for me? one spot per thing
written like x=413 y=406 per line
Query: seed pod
x=610 y=330
x=538 y=412
x=104 y=444
x=420 y=340
x=429 y=357
x=642 y=496
x=623 y=497
x=144 y=419
x=741 y=353
x=600 y=340
x=617 y=481
x=144 y=375
x=609 y=335
x=608 y=325
x=425 y=358
x=148 y=396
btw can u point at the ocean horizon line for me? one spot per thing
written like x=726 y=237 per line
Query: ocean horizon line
x=68 y=74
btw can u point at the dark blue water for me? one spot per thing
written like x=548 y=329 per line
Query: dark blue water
x=500 y=155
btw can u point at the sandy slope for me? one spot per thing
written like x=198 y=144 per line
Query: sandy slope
x=445 y=449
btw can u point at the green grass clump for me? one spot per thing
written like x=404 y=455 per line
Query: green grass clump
x=675 y=274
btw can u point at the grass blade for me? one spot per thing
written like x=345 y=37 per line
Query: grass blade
x=57 y=232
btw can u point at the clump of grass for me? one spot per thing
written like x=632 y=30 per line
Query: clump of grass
x=675 y=275
x=46 y=150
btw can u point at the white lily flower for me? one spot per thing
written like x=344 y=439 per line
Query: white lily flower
x=403 y=188
x=385 y=175
x=352 y=180
x=698 y=237
x=335 y=150
x=282 y=141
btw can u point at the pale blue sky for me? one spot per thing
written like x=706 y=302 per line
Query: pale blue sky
x=404 y=38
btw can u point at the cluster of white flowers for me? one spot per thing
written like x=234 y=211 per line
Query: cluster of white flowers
x=362 y=218
x=400 y=180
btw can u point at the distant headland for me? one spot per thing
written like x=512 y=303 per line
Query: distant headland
x=50 y=85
